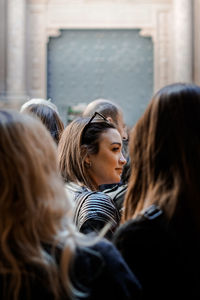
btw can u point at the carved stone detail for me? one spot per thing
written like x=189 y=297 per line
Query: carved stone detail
x=48 y=18
x=168 y=22
x=52 y=32
x=148 y=32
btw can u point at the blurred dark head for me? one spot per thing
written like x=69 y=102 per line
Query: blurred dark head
x=48 y=114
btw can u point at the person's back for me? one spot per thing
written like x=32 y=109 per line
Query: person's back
x=43 y=256
x=161 y=211
x=166 y=264
x=96 y=272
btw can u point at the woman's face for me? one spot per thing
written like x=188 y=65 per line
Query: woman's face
x=106 y=166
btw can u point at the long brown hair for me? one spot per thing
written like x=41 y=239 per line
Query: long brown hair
x=78 y=139
x=34 y=210
x=165 y=155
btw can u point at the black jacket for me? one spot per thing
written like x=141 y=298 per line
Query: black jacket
x=104 y=271
x=166 y=262
x=93 y=211
x=98 y=271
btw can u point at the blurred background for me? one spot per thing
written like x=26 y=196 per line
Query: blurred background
x=74 y=51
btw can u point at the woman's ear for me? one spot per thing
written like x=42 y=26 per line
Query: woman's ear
x=87 y=159
x=84 y=154
x=110 y=119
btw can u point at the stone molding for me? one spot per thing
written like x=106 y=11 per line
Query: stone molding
x=34 y=21
x=46 y=18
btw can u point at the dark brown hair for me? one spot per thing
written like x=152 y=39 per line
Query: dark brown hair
x=49 y=118
x=165 y=155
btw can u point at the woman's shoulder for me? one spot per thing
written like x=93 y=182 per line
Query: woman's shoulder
x=93 y=210
x=150 y=223
x=102 y=267
x=99 y=198
x=71 y=190
x=92 y=194
x=114 y=260
x=95 y=203
x=97 y=207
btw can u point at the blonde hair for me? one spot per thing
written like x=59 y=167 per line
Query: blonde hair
x=34 y=210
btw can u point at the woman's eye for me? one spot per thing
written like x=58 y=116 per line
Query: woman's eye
x=115 y=149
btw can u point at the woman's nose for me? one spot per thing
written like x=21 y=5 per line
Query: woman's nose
x=124 y=134
x=122 y=159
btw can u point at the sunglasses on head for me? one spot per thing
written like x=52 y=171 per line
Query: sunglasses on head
x=96 y=117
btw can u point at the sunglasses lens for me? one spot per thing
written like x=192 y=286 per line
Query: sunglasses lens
x=97 y=117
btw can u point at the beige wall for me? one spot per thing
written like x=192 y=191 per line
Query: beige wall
x=171 y=25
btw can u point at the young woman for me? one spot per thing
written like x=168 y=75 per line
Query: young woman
x=42 y=256
x=90 y=154
x=160 y=237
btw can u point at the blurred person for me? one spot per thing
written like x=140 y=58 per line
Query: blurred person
x=48 y=113
x=111 y=111
x=160 y=237
x=42 y=254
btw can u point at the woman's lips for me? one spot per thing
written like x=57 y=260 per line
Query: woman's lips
x=119 y=170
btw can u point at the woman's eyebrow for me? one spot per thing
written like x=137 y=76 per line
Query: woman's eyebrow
x=116 y=143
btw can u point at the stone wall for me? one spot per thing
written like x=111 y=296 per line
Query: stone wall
x=26 y=26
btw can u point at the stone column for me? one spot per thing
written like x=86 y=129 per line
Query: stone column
x=162 y=46
x=197 y=42
x=183 y=48
x=16 y=58
x=37 y=48
x=2 y=47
